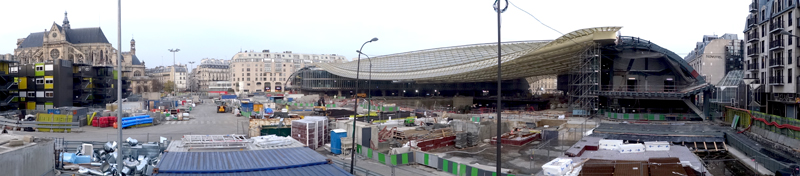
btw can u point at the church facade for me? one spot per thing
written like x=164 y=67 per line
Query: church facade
x=86 y=46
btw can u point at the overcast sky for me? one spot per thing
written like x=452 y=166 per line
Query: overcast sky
x=218 y=30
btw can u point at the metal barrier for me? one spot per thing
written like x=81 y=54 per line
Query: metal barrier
x=776 y=124
x=740 y=142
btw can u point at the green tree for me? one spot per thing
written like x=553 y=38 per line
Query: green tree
x=169 y=87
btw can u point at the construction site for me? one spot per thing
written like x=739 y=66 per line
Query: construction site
x=624 y=106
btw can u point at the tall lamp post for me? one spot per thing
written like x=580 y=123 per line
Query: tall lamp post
x=355 y=108
x=749 y=83
x=173 y=54
x=119 y=83
x=369 y=88
x=499 y=85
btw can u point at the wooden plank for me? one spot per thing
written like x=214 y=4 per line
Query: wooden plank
x=725 y=145
x=715 y=147
x=695 y=146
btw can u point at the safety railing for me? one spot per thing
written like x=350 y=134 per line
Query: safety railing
x=777 y=62
x=776 y=25
x=776 y=44
x=776 y=80
x=643 y=88
x=745 y=145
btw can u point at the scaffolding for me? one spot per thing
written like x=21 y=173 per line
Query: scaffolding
x=584 y=81
x=215 y=141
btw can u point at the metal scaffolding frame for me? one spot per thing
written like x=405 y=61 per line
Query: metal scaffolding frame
x=215 y=141
x=584 y=82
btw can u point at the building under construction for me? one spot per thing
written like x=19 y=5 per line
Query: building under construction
x=599 y=71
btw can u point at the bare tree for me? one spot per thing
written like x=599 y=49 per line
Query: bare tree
x=156 y=86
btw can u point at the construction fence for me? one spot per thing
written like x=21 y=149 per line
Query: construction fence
x=426 y=159
x=780 y=125
x=648 y=116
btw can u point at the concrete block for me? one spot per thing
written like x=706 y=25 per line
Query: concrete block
x=15 y=142
x=27 y=138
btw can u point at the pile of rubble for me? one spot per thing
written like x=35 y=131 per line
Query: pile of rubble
x=137 y=158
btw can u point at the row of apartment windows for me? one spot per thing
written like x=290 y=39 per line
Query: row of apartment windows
x=283 y=55
x=778 y=74
x=263 y=79
x=264 y=74
x=37 y=94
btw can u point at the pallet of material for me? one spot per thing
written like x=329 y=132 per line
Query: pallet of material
x=305 y=132
x=517 y=139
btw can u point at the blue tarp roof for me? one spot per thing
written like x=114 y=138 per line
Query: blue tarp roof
x=238 y=161
x=316 y=170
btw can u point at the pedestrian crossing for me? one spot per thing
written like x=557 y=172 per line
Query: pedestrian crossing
x=196 y=122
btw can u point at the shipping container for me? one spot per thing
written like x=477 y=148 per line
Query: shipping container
x=276 y=130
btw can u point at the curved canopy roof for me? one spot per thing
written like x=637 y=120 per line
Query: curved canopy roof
x=478 y=62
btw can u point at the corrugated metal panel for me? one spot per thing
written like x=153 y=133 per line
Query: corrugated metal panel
x=238 y=161
x=317 y=170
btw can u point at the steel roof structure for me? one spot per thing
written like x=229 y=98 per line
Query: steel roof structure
x=478 y=62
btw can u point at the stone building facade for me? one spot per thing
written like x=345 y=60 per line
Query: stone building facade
x=176 y=73
x=209 y=72
x=268 y=72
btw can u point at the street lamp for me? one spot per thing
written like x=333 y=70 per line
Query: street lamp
x=355 y=108
x=369 y=87
x=173 y=54
x=750 y=85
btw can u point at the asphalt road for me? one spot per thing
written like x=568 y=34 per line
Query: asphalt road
x=204 y=120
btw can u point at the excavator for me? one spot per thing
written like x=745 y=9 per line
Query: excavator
x=319 y=107
x=222 y=107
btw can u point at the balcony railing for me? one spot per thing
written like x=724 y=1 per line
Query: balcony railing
x=776 y=26
x=752 y=36
x=753 y=51
x=753 y=7
x=776 y=44
x=753 y=66
x=776 y=62
x=776 y=80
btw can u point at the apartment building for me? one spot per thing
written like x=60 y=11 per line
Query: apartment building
x=176 y=73
x=772 y=55
x=209 y=73
x=715 y=56
x=7 y=57
x=268 y=72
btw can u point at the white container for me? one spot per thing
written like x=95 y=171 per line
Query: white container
x=657 y=146
x=631 y=148
x=557 y=167
x=87 y=150
x=605 y=144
